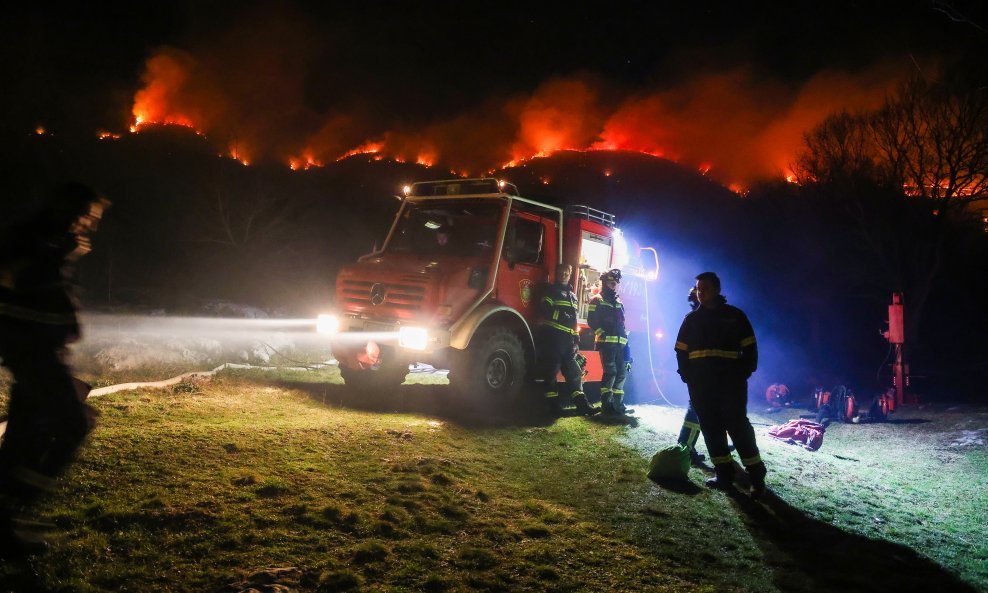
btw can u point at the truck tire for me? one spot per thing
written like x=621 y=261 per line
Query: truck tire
x=492 y=369
x=375 y=380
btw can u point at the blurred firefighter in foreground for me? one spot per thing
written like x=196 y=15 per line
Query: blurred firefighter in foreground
x=47 y=418
x=717 y=353
x=605 y=317
x=557 y=344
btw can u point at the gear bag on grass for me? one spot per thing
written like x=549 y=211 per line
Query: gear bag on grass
x=800 y=432
x=671 y=463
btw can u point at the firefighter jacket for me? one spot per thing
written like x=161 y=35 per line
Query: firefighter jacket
x=35 y=285
x=558 y=308
x=714 y=342
x=605 y=316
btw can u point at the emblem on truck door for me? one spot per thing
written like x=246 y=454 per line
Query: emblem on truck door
x=525 y=291
x=377 y=294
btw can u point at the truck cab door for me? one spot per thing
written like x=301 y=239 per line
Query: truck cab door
x=530 y=251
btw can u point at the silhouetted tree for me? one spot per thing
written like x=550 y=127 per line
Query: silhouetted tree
x=932 y=140
x=902 y=177
x=837 y=150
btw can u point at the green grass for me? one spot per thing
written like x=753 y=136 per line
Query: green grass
x=5 y=383
x=906 y=483
x=909 y=484
x=217 y=482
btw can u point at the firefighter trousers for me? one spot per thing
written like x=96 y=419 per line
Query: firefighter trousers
x=721 y=406
x=47 y=418
x=615 y=372
x=557 y=352
x=689 y=434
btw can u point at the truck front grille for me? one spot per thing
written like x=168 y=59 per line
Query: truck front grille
x=404 y=295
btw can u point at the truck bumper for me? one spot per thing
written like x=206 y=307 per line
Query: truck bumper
x=361 y=343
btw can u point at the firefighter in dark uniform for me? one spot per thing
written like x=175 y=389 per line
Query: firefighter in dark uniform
x=47 y=417
x=716 y=352
x=605 y=316
x=557 y=344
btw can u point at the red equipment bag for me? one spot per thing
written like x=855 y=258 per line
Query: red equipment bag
x=800 y=432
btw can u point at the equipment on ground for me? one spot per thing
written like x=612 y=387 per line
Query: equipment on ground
x=670 y=464
x=778 y=395
x=837 y=404
x=881 y=406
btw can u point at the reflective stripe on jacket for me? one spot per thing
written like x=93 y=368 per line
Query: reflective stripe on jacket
x=606 y=317
x=558 y=308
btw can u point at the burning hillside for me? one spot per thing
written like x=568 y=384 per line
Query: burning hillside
x=731 y=126
x=268 y=86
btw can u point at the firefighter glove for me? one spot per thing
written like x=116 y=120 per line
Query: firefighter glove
x=581 y=361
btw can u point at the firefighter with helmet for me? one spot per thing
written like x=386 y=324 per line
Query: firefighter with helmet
x=557 y=344
x=605 y=316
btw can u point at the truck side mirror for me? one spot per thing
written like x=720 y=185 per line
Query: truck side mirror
x=651 y=267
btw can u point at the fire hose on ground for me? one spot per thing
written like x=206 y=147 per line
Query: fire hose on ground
x=186 y=376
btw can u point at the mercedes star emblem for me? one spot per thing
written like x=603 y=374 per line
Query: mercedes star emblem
x=377 y=294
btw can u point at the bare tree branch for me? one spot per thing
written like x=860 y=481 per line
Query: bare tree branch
x=955 y=15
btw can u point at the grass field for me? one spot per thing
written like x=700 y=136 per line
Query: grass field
x=255 y=479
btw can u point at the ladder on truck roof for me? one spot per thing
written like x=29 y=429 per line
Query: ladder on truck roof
x=592 y=214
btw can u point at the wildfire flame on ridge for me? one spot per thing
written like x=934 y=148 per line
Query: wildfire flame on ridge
x=728 y=126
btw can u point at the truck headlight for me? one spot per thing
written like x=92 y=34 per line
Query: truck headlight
x=413 y=338
x=327 y=324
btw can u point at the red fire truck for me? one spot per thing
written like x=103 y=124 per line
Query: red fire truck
x=458 y=281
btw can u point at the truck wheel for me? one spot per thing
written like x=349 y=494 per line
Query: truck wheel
x=381 y=379
x=492 y=369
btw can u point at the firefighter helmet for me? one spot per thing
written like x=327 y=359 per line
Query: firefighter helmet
x=609 y=275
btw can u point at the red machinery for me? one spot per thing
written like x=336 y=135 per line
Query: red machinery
x=777 y=395
x=840 y=404
x=896 y=335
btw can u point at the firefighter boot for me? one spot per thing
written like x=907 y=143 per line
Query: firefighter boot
x=606 y=407
x=617 y=402
x=17 y=541
x=583 y=406
x=18 y=538
x=757 y=475
x=723 y=478
x=553 y=404
x=697 y=459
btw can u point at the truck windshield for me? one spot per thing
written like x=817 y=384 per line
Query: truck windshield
x=447 y=228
